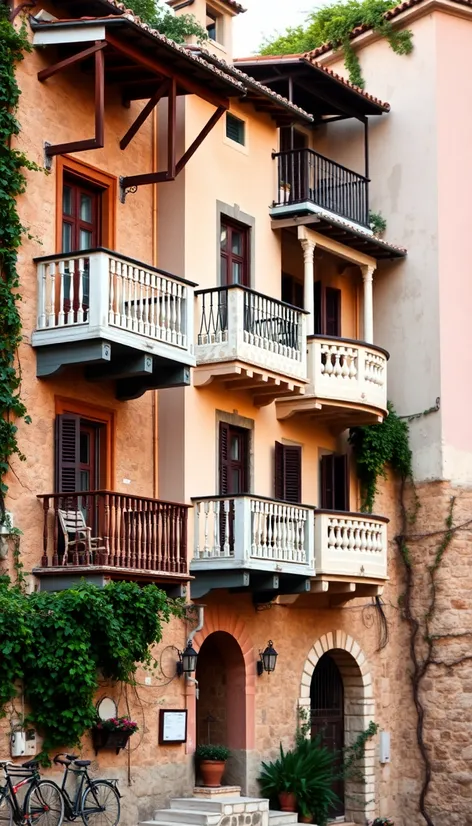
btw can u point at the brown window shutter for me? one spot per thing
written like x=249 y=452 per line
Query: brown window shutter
x=332 y=308
x=288 y=473
x=279 y=486
x=335 y=482
x=224 y=458
x=318 y=309
x=67 y=453
x=327 y=482
x=341 y=482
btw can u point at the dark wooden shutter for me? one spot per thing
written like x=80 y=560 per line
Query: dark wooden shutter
x=335 y=482
x=224 y=458
x=332 y=307
x=67 y=453
x=318 y=309
x=341 y=482
x=288 y=473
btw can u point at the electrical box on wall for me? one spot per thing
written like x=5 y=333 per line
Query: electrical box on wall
x=23 y=742
x=385 y=747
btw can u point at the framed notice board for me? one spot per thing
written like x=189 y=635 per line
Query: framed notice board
x=172 y=726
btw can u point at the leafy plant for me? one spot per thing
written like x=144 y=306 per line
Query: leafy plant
x=374 y=447
x=382 y=821
x=117 y=724
x=333 y=24
x=13 y=164
x=209 y=752
x=160 y=17
x=377 y=223
x=55 y=643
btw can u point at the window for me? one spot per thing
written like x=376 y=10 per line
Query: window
x=292 y=291
x=80 y=454
x=334 y=472
x=235 y=129
x=211 y=21
x=288 y=473
x=234 y=252
x=233 y=459
x=80 y=216
x=327 y=311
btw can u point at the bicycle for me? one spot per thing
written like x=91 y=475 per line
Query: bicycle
x=43 y=804
x=97 y=802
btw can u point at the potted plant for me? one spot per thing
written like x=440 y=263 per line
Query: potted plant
x=280 y=778
x=304 y=815
x=113 y=733
x=284 y=192
x=212 y=762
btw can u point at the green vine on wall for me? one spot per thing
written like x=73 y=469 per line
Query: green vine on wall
x=375 y=447
x=333 y=24
x=54 y=643
x=13 y=163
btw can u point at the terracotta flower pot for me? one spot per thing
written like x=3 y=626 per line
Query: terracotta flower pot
x=288 y=801
x=305 y=818
x=212 y=772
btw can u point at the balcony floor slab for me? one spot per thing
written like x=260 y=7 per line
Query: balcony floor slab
x=263 y=385
x=337 y=415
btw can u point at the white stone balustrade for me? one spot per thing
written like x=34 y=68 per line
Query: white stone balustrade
x=349 y=371
x=351 y=545
x=235 y=323
x=101 y=294
x=252 y=532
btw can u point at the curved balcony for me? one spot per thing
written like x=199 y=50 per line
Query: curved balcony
x=347 y=383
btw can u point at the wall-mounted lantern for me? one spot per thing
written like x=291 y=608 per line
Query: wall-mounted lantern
x=187 y=662
x=268 y=659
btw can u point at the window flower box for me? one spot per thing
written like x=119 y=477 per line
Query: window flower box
x=113 y=733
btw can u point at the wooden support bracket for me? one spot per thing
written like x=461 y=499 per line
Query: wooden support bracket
x=98 y=141
x=129 y=183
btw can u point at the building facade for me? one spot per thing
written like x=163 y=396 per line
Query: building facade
x=206 y=312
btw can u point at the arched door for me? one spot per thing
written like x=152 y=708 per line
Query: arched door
x=327 y=715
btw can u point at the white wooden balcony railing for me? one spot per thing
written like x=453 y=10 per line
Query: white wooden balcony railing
x=99 y=293
x=236 y=323
x=344 y=370
x=247 y=531
x=349 y=544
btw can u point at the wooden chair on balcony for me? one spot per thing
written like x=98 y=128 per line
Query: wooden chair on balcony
x=78 y=539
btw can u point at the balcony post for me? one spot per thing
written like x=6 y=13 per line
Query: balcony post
x=308 y=248
x=99 y=289
x=367 y=277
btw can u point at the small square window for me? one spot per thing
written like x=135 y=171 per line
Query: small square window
x=235 y=129
x=211 y=24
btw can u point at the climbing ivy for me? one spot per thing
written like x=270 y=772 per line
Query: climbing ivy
x=13 y=163
x=56 y=642
x=375 y=447
x=333 y=24
x=160 y=17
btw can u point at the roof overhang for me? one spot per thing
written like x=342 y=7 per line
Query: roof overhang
x=315 y=89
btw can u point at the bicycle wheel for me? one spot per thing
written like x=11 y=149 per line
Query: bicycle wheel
x=6 y=811
x=44 y=804
x=100 y=805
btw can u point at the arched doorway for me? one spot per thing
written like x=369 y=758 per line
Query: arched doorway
x=327 y=716
x=221 y=706
x=358 y=709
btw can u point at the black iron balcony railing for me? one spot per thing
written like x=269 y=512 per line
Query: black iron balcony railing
x=304 y=175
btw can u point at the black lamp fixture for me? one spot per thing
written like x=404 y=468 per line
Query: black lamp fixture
x=187 y=660
x=268 y=659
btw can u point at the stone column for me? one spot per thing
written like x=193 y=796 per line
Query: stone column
x=367 y=277
x=308 y=248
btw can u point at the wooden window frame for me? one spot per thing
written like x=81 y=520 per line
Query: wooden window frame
x=230 y=256
x=91 y=176
x=244 y=433
x=74 y=220
x=100 y=416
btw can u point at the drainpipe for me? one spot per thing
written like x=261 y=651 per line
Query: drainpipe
x=155 y=435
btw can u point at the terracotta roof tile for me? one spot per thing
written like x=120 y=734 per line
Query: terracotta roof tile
x=232 y=4
x=389 y=15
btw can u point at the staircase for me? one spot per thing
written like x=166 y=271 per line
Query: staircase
x=223 y=806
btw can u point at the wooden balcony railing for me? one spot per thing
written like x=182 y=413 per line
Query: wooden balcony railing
x=114 y=530
x=304 y=175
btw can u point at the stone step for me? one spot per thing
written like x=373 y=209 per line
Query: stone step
x=190 y=816
x=235 y=803
x=282 y=818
